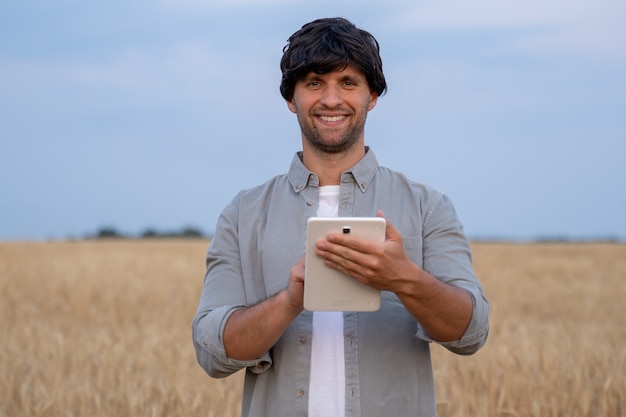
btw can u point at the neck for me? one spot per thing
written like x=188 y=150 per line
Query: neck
x=329 y=167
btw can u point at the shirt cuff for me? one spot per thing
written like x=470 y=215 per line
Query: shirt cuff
x=476 y=333
x=210 y=338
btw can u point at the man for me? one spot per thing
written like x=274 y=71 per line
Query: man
x=251 y=316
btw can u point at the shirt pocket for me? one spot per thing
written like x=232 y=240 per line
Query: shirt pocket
x=413 y=248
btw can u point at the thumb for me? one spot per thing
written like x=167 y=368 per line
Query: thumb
x=391 y=233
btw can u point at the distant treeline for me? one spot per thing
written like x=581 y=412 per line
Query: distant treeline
x=190 y=232
x=550 y=239
x=187 y=232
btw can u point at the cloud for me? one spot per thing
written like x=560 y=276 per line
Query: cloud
x=455 y=14
x=129 y=68
x=221 y=4
x=576 y=26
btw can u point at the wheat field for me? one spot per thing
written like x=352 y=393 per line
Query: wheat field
x=102 y=328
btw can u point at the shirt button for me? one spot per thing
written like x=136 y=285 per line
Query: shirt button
x=309 y=203
x=303 y=341
x=299 y=392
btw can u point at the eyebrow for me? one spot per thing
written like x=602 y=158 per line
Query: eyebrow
x=313 y=76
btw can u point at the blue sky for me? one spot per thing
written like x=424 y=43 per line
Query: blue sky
x=140 y=114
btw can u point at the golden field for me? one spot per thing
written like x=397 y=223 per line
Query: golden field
x=103 y=328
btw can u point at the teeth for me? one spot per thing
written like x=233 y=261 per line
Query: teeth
x=332 y=118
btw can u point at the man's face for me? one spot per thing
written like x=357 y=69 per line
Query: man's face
x=332 y=109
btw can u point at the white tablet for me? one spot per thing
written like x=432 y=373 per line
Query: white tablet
x=326 y=289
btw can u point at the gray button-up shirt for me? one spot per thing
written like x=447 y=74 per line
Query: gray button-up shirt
x=261 y=234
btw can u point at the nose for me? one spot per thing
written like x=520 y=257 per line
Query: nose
x=331 y=96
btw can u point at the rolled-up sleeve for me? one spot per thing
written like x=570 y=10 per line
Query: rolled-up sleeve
x=223 y=293
x=447 y=256
x=208 y=341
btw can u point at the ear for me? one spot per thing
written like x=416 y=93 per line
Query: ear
x=292 y=106
x=373 y=101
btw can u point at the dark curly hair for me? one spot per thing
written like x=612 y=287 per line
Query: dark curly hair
x=326 y=45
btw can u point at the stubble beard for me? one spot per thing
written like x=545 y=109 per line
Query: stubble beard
x=323 y=142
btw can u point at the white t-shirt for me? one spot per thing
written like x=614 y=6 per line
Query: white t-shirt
x=327 y=396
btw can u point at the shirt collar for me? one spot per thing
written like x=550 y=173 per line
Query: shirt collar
x=361 y=173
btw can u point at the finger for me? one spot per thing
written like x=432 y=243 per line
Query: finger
x=342 y=264
x=391 y=233
x=340 y=243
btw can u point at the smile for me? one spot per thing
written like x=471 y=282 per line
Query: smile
x=332 y=118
